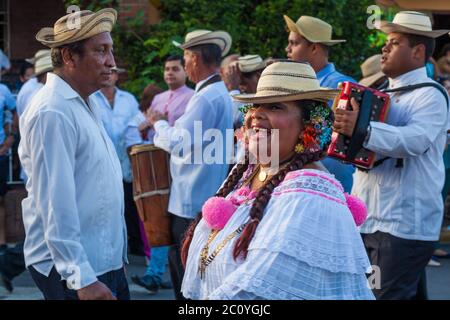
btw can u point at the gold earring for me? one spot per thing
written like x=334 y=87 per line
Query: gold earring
x=299 y=148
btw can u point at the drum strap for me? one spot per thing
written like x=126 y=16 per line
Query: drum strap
x=213 y=79
x=399 y=163
x=150 y=194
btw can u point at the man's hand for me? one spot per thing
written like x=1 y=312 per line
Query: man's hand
x=345 y=120
x=144 y=126
x=95 y=291
x=154 y=116
x=232 y=77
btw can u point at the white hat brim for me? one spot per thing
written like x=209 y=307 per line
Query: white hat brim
x=105 y=17
x=370 y=80
x=324 y=94
x=258 y=67
x=45 y=70
x=389 y=27
x=219 y=38
x=292 y=26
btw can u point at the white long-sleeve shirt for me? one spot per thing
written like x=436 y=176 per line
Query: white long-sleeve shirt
x=193 y=179
x=406 y=202
x=115 y=120
x=73 y=214
x=26 y=93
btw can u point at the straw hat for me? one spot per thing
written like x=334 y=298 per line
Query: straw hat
x=288 y=80
x=198 y=37
x=411 y=22
x=371 y=70
x=37 y=55
x=313 y=29
x=43 y=63
x=250 y=63
x=91 y=24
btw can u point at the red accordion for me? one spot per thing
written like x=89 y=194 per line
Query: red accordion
x=374 y=106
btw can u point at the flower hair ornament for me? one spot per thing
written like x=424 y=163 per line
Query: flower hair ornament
x=317 y=132
x=244 y=109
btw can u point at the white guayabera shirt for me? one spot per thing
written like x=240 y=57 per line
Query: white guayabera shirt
x=115 y=120
x=406 y=201
x=193 y=183
x=74 y=212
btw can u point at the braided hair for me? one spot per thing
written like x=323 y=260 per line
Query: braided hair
x=227 y=187
x=264 y=194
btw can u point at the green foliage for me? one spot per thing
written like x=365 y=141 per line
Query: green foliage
x=257 y=27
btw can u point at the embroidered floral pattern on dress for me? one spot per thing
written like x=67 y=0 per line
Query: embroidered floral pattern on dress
x=305 y=180
x=317 y=184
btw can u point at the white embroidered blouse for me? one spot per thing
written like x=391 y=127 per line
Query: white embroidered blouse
x=307 y=246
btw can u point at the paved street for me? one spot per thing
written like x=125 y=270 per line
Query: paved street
x=24 y=289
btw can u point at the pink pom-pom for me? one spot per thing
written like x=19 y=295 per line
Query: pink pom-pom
x=217 y=211
x=357 y=208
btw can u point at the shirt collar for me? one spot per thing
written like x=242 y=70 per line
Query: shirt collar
x=199 y=85
x=409 y=77
x=329 y=68
x=119 y=92
x=179 y=90
x=61 y=86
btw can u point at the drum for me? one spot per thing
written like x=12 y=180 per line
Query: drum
x=151 y=186
x=15 y=231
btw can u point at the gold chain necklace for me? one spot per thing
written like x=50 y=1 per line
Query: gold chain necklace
x=205 y=259
x=252 y=175
x=263 y=174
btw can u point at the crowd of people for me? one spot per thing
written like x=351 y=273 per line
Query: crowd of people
x=295 y=225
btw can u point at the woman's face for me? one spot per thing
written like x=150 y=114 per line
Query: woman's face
x=260 y=122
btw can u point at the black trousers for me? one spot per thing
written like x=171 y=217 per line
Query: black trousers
x=53 y=288
x=402 y=265
x=132 y=221
x=12 y=261
x=4 y=167
x=178 y=228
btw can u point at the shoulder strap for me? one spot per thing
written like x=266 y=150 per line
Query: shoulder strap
x=421 y=85
x=214 y=79
x=399 y=163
